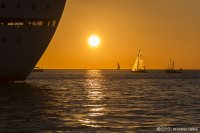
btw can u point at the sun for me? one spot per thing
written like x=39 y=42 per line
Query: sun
x=94 y=41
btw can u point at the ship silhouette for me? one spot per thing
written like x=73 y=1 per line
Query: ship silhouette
x=26 y=29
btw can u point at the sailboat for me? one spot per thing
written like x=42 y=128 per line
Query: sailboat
x=171 y=68
x=139 y=66
x=118 y=66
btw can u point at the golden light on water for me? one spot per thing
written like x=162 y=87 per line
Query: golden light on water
x=94 y=41
x=95 y=95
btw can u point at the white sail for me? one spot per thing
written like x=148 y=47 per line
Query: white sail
x=135 y=66
x=139 y=63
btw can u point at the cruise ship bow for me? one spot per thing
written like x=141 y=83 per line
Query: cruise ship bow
x=26 y=29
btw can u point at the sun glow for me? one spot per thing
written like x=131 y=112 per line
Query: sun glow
x=94 y=41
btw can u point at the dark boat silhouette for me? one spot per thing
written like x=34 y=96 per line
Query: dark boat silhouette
x=171 y=68
x=118 y=66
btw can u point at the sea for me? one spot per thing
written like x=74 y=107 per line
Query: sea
x=101 y=101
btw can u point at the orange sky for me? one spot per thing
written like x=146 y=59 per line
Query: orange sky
x=160 y=28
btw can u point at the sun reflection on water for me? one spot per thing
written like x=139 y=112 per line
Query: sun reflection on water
x=95 y=97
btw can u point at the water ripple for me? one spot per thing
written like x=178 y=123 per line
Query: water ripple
x=100 y=101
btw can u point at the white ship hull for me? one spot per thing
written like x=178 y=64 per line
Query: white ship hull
x=26 y=29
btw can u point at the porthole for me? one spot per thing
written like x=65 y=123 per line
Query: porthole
x=33 y=6
x=3 y=40
x=3 y=5
x=18 y=6
x=19 y=40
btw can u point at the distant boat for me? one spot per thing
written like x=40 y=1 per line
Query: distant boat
x=139 y=66
x=118 y=66
x=171 y=68
x=37 y=69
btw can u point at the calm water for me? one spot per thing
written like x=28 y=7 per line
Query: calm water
x=100 y=101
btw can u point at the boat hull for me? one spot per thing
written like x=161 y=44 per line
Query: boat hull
x=140 y=71
x=37 y=70
x=173 y=71
x=26 y=29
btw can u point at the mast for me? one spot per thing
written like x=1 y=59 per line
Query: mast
x=138 y=60
x=172 y=64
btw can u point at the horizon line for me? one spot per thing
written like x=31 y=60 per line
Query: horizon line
x=109 y=69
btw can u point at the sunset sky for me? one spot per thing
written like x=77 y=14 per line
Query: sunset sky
x=160 y=28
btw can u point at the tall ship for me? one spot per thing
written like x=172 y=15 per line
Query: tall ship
x=171 y=68
x=139 y=66
x=26 y=29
